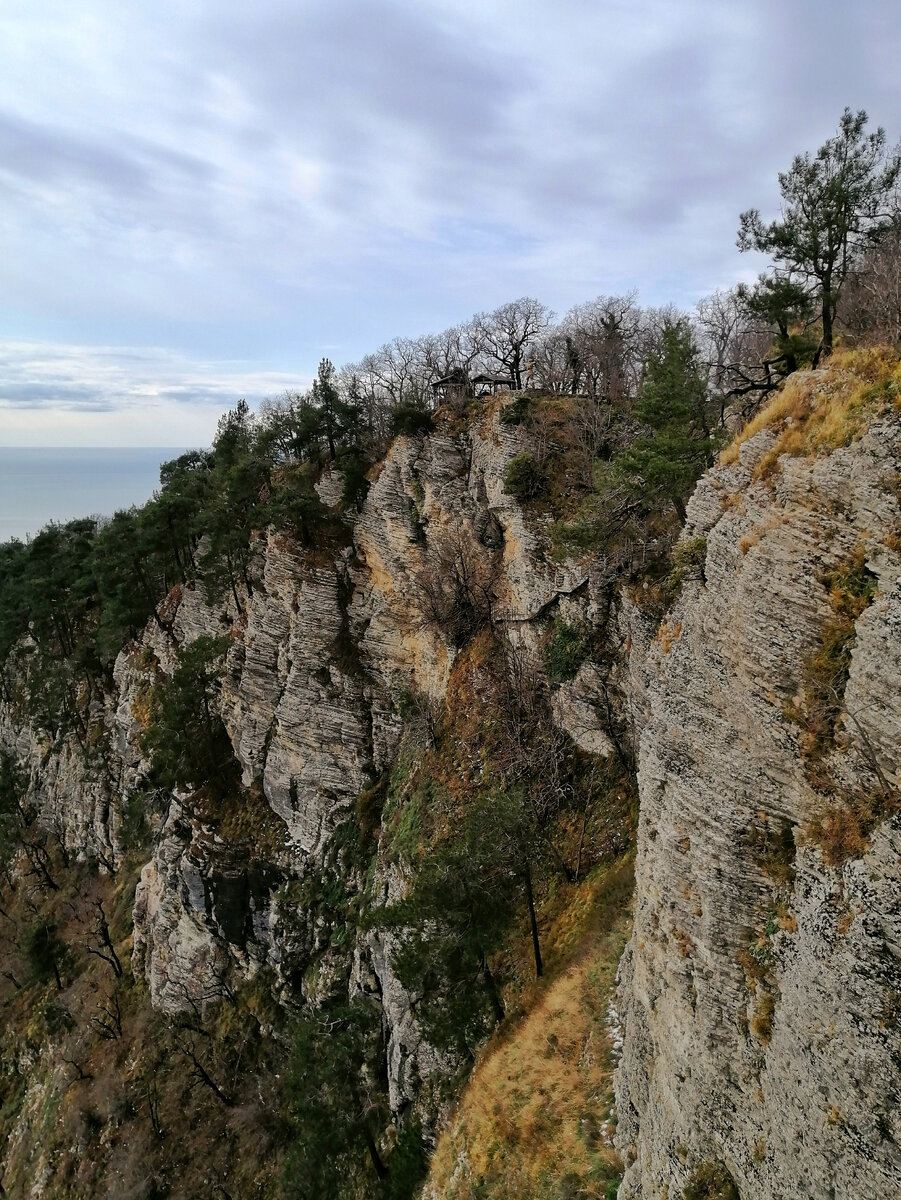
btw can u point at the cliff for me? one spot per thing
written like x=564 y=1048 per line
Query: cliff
x=379 y=692
x=760 y=986
x=327 y=652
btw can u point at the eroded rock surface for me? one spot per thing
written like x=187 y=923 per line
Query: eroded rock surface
x=760 y=986
x=322 y=653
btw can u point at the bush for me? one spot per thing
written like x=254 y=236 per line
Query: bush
x=711 y=1181
x=515 y=413
x=565 y=652
x=851 y=587
x=410 y=420
x=454 y=591
x=689 y=559
x=523 y=478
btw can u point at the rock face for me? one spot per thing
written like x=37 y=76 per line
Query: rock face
x=760 y=995
x=760 y=988
x=321 y=655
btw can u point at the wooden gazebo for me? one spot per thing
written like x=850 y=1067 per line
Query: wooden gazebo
x=490 y=385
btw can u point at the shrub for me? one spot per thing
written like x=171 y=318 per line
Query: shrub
x=45 y=952
x=565 y=652
x=410 y=420
x=841 y=828
x=711 y=1181
x=454 y=591
x=762 y=1021
x=515 y=412
x=774 y=850
x=523 y=478
x=851 y=589
x=689 y=558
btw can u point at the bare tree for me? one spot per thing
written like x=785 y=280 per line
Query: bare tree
x=186 y=1046
x=454 y=590
x=735 y=346
x=554 y=364
x=505 y=335
x=605 y=338
x=104 y=948
x=108 y=1019
x=870 y=307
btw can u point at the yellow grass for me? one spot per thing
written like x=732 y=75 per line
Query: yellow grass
x=532 y=1118
x=818 y=411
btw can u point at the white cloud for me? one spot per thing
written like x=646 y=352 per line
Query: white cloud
x=262 y=181
x=115 y=396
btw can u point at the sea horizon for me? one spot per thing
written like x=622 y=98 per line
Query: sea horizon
x=40 y=485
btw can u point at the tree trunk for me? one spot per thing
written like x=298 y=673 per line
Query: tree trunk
x=828 y=314
x=679 y=506
x=536 y=946
x=491 y=987
x=380 y=1169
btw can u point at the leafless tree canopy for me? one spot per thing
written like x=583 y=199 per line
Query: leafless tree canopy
x=455 y=590
x=870 y=308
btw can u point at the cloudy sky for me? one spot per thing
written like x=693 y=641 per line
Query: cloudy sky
x=201 y=198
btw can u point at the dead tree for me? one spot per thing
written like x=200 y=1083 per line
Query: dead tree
x=106 y=950
x=108 y=1022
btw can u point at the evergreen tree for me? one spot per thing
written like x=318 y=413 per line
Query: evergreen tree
x=133 y=572
x=834 y=204
x=666 y=462
x=339 y=419
x=186 y=741
x=335 y=1103
x=781 y=302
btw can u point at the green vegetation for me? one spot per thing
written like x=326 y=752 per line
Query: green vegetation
x=524 y=478
x=185 y=739
x=664 y=464
x=711 y=1181
x=515 y=412
x=689 y=557
x=567 y=649
x=335 y=1104
x=411 y=420
x=834 y=204
x=536 y=1117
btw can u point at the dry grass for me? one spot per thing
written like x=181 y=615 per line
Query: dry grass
x=818 y=411
x=842 y=827
x=535 y=1117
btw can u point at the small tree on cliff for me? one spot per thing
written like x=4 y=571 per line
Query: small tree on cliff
x=186 y=739
x=667 y=460
x=834 y=204
x=335 y=1106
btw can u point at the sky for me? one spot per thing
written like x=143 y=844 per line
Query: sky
x=199 y=199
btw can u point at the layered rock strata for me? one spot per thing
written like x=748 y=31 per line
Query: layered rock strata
x=760 y=988
x=321 y=655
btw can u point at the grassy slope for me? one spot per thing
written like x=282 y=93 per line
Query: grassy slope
x=535 y=1119
x=818 y=411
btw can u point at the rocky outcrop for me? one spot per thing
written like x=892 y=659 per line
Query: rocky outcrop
x=760 y=987
x=322 y=653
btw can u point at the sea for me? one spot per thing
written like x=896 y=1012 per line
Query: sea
x=38 y=486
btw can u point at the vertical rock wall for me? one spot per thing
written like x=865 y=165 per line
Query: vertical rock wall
x=760 y=988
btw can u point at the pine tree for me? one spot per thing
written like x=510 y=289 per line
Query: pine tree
x=834 y=204
x=665 y=462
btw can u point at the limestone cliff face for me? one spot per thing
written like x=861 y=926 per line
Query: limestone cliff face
x=760 y=988
x=323 y=650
